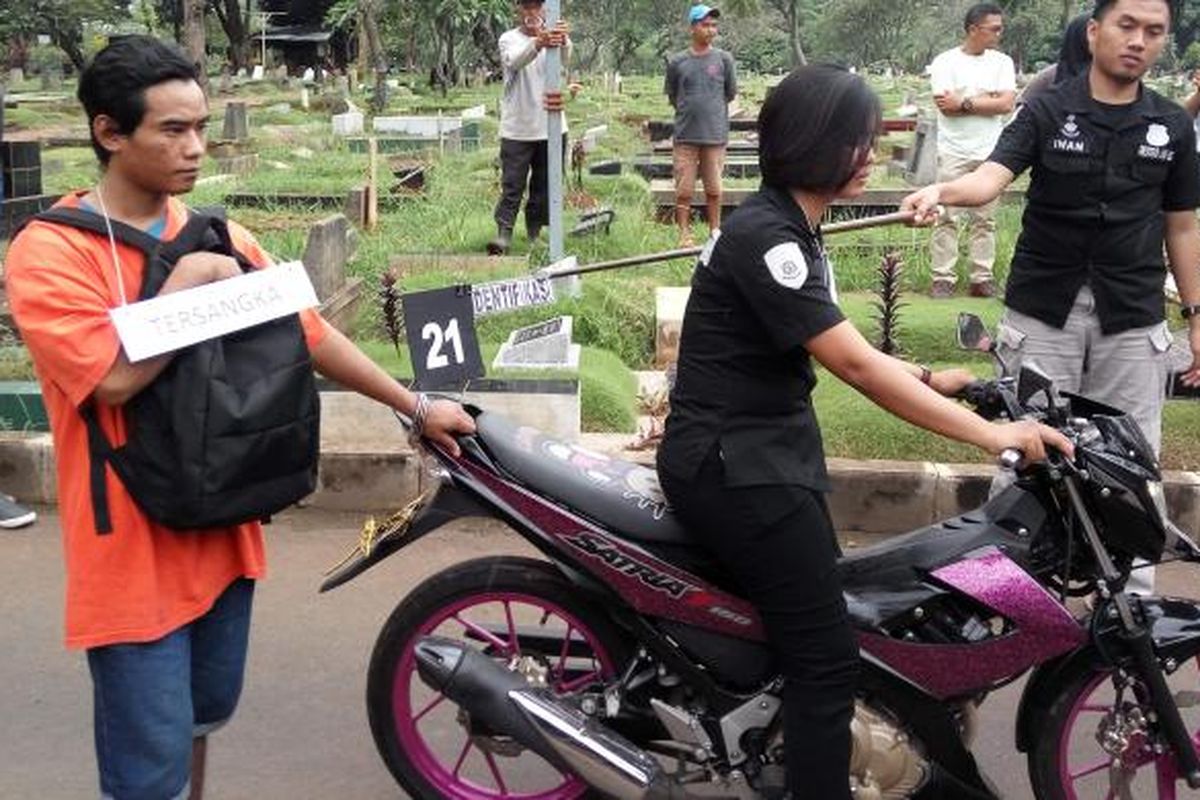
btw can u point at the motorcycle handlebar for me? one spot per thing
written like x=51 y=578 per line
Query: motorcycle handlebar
x=1010 y=458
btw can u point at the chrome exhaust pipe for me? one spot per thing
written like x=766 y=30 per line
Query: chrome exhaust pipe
x=504 y=702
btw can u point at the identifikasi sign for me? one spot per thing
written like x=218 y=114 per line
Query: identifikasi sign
x=511 y=294
x=172 y=321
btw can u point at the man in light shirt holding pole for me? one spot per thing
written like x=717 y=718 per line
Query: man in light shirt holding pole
x=523 y=122
x=974 y=86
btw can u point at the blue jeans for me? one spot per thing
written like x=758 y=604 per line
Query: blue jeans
x=152 y=699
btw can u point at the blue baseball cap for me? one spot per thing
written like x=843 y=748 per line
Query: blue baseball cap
x=701 y=12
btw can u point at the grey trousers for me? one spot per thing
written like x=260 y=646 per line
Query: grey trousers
x=1127 y=370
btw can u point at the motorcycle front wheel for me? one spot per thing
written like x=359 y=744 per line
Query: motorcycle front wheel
x=1097 y=741
x=521 y=612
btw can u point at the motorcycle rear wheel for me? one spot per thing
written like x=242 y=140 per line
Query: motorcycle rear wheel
x=1067 y=761
x=510 y=608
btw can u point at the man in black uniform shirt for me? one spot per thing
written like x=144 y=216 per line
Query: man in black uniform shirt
x=1114 y=175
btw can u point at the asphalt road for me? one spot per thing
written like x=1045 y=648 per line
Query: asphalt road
x=301 y=730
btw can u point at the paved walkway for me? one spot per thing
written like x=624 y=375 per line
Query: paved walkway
x=301 y=732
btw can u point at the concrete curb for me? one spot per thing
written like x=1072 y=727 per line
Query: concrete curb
x=875 y=497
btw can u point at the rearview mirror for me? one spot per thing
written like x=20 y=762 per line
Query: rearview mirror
x=972 y=334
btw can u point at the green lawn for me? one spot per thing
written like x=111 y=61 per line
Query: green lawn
x=614 y=318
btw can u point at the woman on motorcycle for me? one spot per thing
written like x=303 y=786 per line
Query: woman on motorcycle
x=742 y=461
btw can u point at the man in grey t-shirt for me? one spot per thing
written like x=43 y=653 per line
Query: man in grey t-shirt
x=701 y=82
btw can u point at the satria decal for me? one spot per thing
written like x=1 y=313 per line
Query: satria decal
x=601 y=549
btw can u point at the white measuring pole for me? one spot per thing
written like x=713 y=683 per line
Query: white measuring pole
x=554 y=132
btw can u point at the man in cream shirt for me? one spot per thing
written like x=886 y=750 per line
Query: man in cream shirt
x=974 y=86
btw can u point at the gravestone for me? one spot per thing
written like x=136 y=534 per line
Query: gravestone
x=669 y=304
x=922 y=162
x=546 y=344
x=257 y=75
x=237 y=123
x=341 y=86
x=475 y=112
x=592 y=137
x=309 y=75
x=16 y=75
x=304 y=102
x=21 y=163
x=331 y=243
x=348 y=124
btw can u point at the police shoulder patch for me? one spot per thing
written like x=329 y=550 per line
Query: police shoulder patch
x=787 y=265
x=709 y=246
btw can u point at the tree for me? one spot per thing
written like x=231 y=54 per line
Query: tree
x=194 y=38
x=793 y=14
x=235 y=21
x=63 y=21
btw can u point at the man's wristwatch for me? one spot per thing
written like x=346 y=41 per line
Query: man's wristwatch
x=1189 y=311
x=967 y=105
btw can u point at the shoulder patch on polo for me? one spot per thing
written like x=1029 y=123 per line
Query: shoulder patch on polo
x=707 y=252
x=787 y=265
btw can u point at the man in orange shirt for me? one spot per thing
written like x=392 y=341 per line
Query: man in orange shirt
x=163 y=614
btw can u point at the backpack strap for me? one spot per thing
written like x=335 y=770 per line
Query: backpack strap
x=99 y=448
x=90 y=221
x=99 y=453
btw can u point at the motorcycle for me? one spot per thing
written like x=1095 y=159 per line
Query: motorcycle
x=624 y=662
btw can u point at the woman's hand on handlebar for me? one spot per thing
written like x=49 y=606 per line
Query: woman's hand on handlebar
x=950 y=382
x=444 y=420
x=1031 y=438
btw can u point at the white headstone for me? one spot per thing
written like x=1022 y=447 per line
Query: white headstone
x=416 y=126
x=546 y=344
x=304 y=98
x=617 y=82
x=348 y=124
x=309 y=75
x=592 y=137
x=257 y=75
x=475 y=112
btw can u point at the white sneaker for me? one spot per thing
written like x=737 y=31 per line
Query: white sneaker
x=13 y=515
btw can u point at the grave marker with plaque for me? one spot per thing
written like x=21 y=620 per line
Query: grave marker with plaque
x=546 y=344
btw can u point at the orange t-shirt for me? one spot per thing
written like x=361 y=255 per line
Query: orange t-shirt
x=141 y=581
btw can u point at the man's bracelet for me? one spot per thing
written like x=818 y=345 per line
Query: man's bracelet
x=1189 y=311
x=967 y=105
x=420 y=413
x=926 y=374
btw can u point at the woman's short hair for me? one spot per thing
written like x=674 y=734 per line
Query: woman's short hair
x=816 y=129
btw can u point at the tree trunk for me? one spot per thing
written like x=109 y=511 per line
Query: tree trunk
x=233 y=22
x=70 y=42
x=793 y=18
x=375 y=60
x=194 y=40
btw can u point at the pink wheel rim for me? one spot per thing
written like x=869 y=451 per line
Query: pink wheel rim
x=445 y=774
x=1086 y=711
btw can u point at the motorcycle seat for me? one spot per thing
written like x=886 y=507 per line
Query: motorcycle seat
x=622 y=496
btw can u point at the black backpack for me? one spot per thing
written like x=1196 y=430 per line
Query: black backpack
x=229 y=431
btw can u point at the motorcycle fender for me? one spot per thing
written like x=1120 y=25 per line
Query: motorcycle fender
x=446 y=504
x=1174 y=627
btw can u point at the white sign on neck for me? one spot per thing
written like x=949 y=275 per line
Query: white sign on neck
x=171 y=321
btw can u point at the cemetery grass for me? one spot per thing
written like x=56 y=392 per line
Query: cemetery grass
x=614 y=317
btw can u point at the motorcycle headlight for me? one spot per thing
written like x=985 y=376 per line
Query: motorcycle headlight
x=1155 y=490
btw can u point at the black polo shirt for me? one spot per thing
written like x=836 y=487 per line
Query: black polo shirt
x=762 y=288
x=1102 y=178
